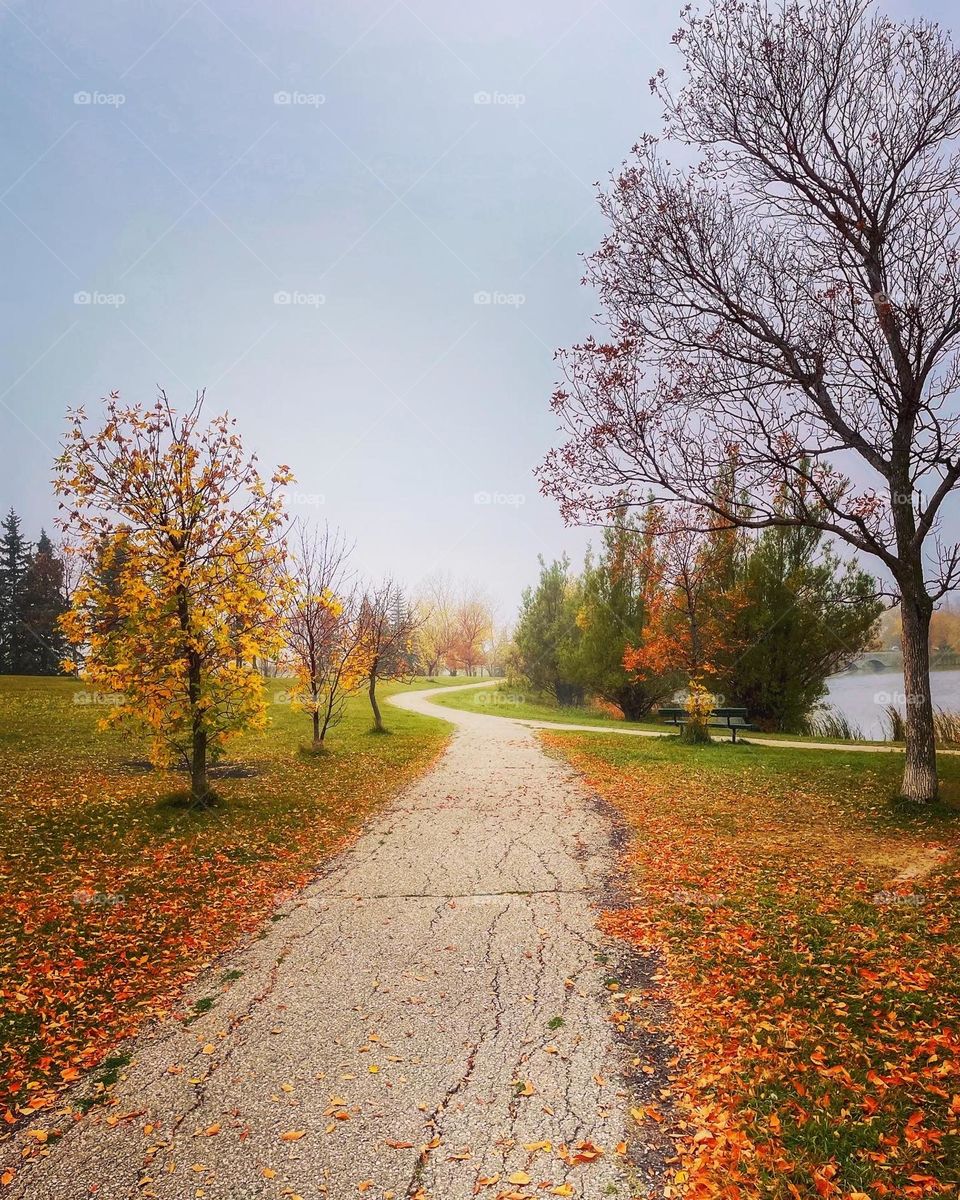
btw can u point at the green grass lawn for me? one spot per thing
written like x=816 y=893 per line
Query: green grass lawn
x=113 y=896
x=807 y=929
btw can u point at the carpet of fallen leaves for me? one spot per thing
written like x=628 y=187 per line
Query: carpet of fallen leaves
x=112 y=897
x=807 y=930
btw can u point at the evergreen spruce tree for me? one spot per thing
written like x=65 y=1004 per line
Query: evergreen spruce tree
x=546 y=632
x=805 y=615
x=43 y=602
x=14 y=551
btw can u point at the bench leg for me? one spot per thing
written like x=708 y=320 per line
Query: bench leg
x=733 y=730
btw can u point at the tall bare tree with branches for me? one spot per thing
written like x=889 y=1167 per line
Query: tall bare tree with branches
x=389 y=623
x=324 y=636
x=787 y=306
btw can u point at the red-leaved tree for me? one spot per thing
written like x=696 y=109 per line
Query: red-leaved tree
x=787 y=303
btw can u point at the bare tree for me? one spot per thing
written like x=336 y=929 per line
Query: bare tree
x=388 y=622
x=324 y=634
x=788 y=306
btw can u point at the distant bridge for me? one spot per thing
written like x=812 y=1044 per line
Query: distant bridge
x=892 y=660
x=879 y=660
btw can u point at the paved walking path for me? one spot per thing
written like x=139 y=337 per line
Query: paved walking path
x=426 y=1011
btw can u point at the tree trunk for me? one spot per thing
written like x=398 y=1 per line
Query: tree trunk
x=372 y=691
x=316 y=727
x=920 y=770
x=199 y=788
x=633 y=700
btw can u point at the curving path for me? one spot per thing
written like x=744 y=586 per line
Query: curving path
x=425 y=1011
x=753 y=739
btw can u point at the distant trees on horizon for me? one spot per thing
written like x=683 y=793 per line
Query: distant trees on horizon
x=33 y=596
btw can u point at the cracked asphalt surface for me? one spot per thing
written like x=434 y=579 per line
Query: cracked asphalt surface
x=430 y=1005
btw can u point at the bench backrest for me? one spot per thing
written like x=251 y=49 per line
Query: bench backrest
x=738 y=714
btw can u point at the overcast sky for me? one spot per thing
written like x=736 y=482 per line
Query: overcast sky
x=186 y=166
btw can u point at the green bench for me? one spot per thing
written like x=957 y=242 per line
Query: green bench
x=731 y=719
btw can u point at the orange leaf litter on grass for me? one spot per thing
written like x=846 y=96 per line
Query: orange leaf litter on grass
x=819 y=1029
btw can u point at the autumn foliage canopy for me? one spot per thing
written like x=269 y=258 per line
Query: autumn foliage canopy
x=183 y=581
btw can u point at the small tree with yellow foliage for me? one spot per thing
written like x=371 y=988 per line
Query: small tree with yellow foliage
x=183 y=582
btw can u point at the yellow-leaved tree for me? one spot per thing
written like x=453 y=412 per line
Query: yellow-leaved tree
x=182 y=581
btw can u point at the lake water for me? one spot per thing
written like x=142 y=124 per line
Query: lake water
x=862 y=698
